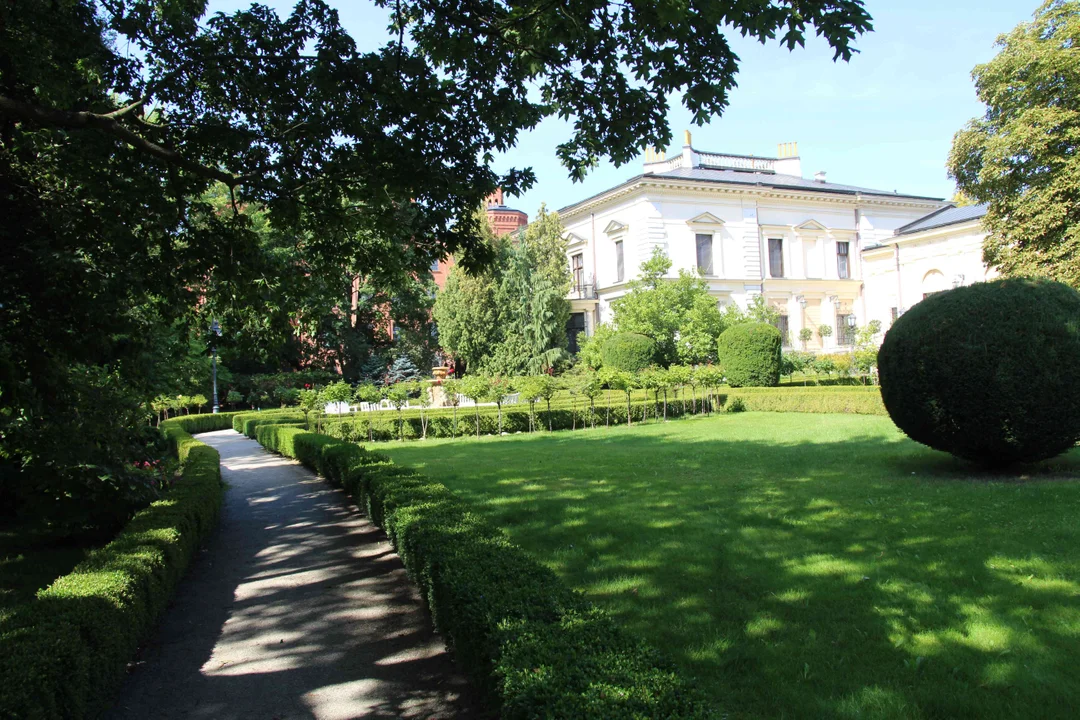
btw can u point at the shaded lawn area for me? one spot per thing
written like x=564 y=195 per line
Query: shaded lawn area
x=803 y=565
x=31 y=558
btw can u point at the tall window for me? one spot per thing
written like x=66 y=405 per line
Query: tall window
x=842 y=267
x=776 y=257
x=434 y=266
x=704 y=253
x=620 y=273
x=577 y=265
x=782 y=326
x=894 y=313
x=845 y=330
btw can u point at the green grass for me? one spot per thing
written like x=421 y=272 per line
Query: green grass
x=803 y=565
x=31 y=558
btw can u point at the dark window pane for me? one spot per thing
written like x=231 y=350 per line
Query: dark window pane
x=845 y=330
x=435 y=266
x=842 y=270
x=895 y=313
x=619 y=273
x=782 y=326
x=776 y=257
x=704 y=253
x=578 y=263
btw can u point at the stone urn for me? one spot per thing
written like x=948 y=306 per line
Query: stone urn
x=439 y=373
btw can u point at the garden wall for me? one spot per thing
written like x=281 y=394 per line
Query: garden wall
x=64 y=654
x=533 y=647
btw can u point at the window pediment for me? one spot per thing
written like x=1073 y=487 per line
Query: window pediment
x=811 y=226
x=573 y=240
x=704 y=220
x=615 y=228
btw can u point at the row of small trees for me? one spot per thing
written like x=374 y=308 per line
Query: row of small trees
x=164 y=404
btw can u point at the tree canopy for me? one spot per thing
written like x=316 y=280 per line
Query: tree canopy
x=510 y=318
x=135 y=135
x=1022 y=157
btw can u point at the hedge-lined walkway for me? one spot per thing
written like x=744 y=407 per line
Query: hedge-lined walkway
x=298 y=608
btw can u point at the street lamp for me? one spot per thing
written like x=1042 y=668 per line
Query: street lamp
x=215 y=329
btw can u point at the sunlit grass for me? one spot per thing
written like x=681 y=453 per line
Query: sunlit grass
x=803 y=565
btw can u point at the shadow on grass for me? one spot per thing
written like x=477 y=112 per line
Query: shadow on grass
x=843 y=571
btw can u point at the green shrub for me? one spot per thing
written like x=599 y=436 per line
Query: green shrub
x=988 y=372
x=533 y=647
x=736 y=405
x=858 y=400
x=749 y=353
x=629 y=352
x=64 y=654
x=249 y=423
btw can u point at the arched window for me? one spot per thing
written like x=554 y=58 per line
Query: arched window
x=934 y=282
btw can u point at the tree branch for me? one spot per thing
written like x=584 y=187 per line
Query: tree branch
x=109 y=124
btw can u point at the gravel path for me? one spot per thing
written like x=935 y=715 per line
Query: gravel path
x=297 y=607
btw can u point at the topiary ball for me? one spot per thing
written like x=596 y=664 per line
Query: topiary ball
x=750 y=353
x=628 y=351
x=988 y=372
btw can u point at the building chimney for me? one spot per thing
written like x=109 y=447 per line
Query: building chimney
x=787 y=159
x=819 y=176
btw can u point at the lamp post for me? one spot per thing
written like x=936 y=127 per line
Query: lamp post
x=215 y=329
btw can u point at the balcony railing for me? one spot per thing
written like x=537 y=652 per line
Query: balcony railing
x=583 y=292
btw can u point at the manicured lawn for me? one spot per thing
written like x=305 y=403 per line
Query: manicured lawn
x=803 y=565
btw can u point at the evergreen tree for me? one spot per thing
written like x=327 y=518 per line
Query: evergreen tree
x=402 y=370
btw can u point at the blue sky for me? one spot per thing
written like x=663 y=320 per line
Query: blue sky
x=885 y=120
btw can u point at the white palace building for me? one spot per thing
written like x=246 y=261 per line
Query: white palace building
x=821 y=252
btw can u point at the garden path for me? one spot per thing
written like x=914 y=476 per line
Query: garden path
x=297 y=607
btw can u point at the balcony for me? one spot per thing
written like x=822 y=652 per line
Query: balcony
x=582 y=292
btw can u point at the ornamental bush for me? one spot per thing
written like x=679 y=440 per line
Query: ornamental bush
x=988 y=372
x=630 y=352
x=749 y=353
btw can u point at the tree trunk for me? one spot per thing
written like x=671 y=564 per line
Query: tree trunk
x=548 y=401
x=665 y=404
x=629 y=412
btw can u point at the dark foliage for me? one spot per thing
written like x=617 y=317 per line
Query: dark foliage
x=628 y=351
x=750 y=355
x=988 y=372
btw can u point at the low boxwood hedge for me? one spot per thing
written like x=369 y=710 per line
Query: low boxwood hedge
x=809 y=400
x=533 y=647
x=64 y=654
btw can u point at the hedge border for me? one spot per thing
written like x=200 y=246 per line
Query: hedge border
x=64 y=654
x=533 y=647
x=440 y=424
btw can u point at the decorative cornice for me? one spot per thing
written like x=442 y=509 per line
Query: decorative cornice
x=930 y=234
x=682 y=185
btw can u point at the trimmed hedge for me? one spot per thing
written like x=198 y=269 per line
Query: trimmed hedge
x=239 y=418
x=533 y=647
x=988 y=372
x=628 y=351
x=64 y=654
x=750 y=355
x=250 y=423
x=836 y=400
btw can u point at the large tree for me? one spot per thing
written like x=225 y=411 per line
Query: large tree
x=679 y=314
x=118 y=118
x=1022 y=157
x=510 y=317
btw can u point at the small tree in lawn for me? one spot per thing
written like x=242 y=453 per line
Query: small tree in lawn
x=309 y=401
x=475 y=387
x=182 y=403
x=866 y=352
x=805 y=336
x=665 y=382
x=529 y=387
x=608 y=380
x=423 y=399
x=649 y=380
x=547 y=387
x=622 y=380
x=368 y=393
x=709 y=377
x=823 y=332
x=398 y=395
x=198 y=401
x=451 y=391
x=591 y=387
x=679 y=377
x=498 y=388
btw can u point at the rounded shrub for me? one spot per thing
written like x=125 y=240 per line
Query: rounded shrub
x=628 y=351
x=987 y=372
x=750 y=353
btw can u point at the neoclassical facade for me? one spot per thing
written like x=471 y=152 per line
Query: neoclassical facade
x=755 y=226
